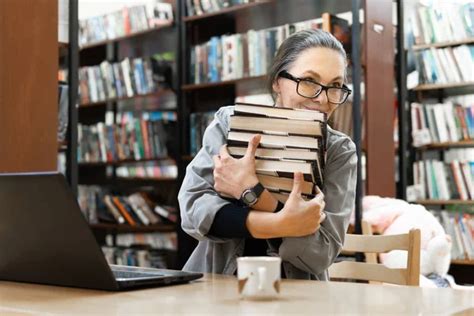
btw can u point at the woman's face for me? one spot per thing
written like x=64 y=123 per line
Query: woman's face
x=320 y=64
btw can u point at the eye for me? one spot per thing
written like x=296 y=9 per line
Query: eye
x=337 y=84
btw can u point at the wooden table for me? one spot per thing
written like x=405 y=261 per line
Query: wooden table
x=217 y=295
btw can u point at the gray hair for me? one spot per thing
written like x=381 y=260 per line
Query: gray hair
x=294 y=45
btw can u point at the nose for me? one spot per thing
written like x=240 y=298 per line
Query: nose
x=321 y=98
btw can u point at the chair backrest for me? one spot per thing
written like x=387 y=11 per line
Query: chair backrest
x=371 y=270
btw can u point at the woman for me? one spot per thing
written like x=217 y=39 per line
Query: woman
x=308 y=73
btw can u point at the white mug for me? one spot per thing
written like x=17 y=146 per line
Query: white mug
x=259 y=277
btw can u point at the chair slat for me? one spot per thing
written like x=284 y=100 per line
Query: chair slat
x=367 y=272
x=363 y=243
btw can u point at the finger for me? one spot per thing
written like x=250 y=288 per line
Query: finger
x=252 y=146
x=217 y=161
x=297 y=183
x=319 y=200
x=322 y=217
x=224 y=153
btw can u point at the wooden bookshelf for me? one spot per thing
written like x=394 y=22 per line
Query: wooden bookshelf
x=122 y=38
x=123 y=228
x=230 y=10
x=125 y=161
x=208 y=85
x=445 y=202
x=463 y=262
x=463 y=143
x=438 y=86
x=443 y=44
x=137 y=97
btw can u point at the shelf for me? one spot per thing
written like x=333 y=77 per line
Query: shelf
x=121 y=38
x=190 y=87
x=462 y=262
x=122 y=228
x=162 y=179
x=125 y=161
x=438 y=86
x=443 y=44
x=464 y=143
x=232 y=9
x=444 y=202
x=135 y=97
x=187 y=157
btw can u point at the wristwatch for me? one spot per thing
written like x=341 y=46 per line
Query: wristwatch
x=250 y=196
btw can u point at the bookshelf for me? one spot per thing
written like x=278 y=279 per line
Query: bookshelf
x=443 y=44
x=131 y=129
x=435 y=163
x=116 y=228
x=234 y=9
x=126 y=37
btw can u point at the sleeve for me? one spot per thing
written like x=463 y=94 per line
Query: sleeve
x=230 y=222
x=198 y=201
x=315 y=253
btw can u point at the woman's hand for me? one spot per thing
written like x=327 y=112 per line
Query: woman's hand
x=299 y=217
x=233 y=176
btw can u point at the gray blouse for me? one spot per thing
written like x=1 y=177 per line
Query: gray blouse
x=305 y=257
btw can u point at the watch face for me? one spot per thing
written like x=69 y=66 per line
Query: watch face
x=249 y=197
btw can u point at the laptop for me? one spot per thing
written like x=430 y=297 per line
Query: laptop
x=44 y=238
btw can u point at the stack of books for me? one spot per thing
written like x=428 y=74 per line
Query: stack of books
x=293 y=140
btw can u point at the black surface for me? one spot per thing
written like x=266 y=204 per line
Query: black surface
x=44 y=238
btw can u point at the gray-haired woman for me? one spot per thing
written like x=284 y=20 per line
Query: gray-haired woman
x=308 y=72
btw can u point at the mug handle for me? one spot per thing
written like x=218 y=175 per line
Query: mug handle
x=262 y=277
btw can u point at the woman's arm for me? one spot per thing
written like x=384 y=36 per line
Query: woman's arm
x=316 y=252
x=233 y=176
x=198 y=200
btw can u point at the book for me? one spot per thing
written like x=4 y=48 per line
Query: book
x=274 y=184
x=292 y=140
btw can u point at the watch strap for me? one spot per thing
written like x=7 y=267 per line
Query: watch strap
x=258 y=189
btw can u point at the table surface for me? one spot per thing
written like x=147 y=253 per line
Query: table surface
x=217 y=294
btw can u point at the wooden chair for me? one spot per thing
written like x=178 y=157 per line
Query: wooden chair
x=373 y=271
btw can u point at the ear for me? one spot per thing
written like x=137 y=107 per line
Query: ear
x=276 y=86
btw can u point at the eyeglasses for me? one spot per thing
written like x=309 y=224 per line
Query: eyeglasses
x=311 y=89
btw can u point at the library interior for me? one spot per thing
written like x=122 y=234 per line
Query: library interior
x=237 y=156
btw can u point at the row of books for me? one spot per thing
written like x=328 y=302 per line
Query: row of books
x=99 y=205
x=129 y=20
x=445 y=65
x=139 y=257
x=293 y=140
x=200 y=7
x=439 y=180
x=63 y=111
x=247 y=54
x=131 y=137
x=460 y=226
x=442 y=22
x=152 y=170
x=155 y=240
x=198 y=124
x=442 y=122
x=127 y=78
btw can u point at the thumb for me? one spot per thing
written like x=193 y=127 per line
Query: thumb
x=252 y=147
x=297 y=183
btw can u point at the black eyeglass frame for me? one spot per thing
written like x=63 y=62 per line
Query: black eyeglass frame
x=287 y=75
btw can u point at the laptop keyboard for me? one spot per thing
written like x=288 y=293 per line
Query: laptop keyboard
x=131 y=274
